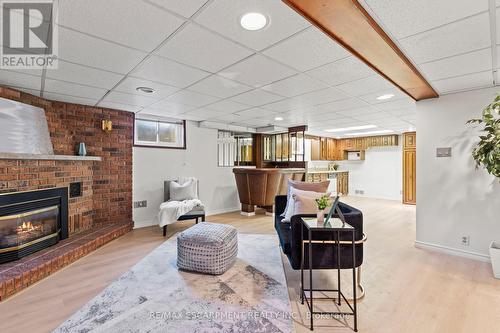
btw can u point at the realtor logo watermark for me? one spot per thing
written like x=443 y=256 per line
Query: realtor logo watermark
x=29 y=34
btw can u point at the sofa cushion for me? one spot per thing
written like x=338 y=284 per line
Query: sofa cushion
x=186 y=191
x=320 y=187
x=304 y=207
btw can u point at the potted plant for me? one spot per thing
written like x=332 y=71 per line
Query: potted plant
x=322 y=203
x=487 y=154
x=487 y=151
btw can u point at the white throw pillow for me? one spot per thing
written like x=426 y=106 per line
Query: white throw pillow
x=290 y=209
x=186 y=191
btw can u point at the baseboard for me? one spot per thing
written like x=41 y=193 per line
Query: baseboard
x=144 y=224
x=152 y=222
x=222 y=211
x=452 y=251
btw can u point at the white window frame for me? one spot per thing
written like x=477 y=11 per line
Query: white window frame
x=180 y=140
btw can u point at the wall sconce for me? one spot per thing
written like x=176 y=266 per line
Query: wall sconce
x=107 y=126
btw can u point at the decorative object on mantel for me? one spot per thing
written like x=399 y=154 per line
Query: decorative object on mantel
x=82 y=151
x=487 y=151
x=23 y=129
x=322 y=203
x=107 y=125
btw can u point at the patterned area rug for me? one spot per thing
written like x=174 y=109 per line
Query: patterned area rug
x=154 y=296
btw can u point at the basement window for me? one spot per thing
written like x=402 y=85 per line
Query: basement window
x=160 y=133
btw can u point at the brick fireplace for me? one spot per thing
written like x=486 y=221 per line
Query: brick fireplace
x=103 y=211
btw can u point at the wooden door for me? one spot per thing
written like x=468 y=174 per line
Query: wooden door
x=409 y=168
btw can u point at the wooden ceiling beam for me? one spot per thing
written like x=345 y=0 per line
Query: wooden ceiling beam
x=350 y=25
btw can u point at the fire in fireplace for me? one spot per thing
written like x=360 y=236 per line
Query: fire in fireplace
x=31 y=221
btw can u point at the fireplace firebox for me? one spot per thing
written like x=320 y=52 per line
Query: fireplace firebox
x=31 y=221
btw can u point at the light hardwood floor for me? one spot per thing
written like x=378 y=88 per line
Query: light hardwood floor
x=407 y=289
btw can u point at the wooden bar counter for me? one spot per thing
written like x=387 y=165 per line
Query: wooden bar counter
x=259 y=186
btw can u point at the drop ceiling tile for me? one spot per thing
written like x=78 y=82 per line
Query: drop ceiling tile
x=403 y=112
x=228 y=118
x=69 y=99
x=460 y=37
x=477 y=61
x=470 y=81
x=227 y=106
x=70 y=72
x=344 y=104
x=185 y=8
x=286 y=105
x=396 y=105
x=329 y=116
x=404 y=18
x=256 y=113
x=358 y=111
x=191 y=98
x=257 y=71
x=119 y=106
x=295 y=85
x=306 y=50
x=223 y=16
x=215 y=85
x=371 y=98
x=366 y=86
x=372 y=116
x=73 y=89
x=129 y=85
x=94 y=52
x=256 y=97
x=341 y=71
x=16 y=79
x=169 y=107
x=323 y=96
x=144 y=31
x=257 y=122
x=200 y=48
x=129 y=99
x=203 y=113
x=169 y=72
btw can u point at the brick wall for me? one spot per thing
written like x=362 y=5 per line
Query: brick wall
x=107 y=184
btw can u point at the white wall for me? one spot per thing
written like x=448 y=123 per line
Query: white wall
x=151 y=166
x=379 y=175
x=454 y=199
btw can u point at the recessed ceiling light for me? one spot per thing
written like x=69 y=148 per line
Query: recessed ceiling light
x=278 y=118
x=253 y=21
x=386 y=96
x=146 y=90
x=354 y=128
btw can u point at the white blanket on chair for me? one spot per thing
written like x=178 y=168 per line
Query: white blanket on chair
x=170 y=211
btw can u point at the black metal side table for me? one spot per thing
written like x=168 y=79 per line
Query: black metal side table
x=334 y=226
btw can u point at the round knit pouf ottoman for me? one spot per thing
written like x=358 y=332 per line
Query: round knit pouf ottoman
x=206 y=247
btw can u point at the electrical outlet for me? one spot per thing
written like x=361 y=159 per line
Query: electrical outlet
x=359 y=191
x=140 y=204
x=465 y=240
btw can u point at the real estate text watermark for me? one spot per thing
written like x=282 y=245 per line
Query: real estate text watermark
x=29 y=34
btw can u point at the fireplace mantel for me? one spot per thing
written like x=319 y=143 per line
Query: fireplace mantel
x=16 y=156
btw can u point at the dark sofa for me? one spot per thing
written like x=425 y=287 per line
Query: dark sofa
x=324 y=255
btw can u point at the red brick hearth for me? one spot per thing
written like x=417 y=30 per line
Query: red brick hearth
x=17 y=275
x=104 y=210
